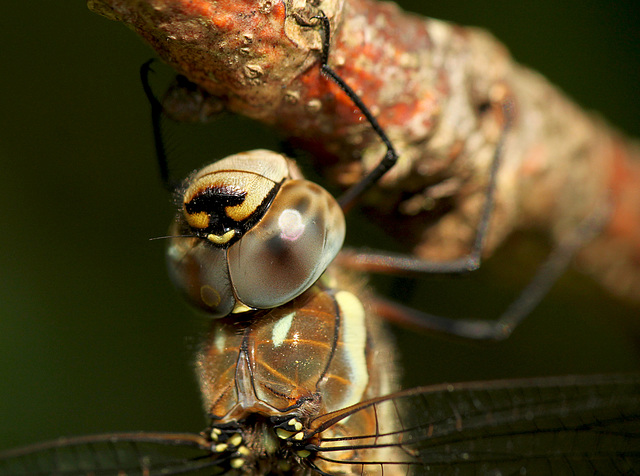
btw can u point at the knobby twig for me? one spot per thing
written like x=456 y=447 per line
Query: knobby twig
x=436 y=89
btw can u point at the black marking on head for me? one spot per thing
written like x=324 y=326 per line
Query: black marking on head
x=213 y=201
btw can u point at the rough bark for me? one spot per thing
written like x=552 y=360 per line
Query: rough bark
x=436 y=89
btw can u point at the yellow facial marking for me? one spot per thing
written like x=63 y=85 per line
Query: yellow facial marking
x=221 y=239
x=257 y=188
x=303 y=453
x=237 y=463
x=198 y=220
x=239 y=308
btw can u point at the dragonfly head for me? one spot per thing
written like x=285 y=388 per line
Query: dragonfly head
x=260 y=235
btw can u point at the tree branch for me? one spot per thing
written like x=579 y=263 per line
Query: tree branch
x=436 y=89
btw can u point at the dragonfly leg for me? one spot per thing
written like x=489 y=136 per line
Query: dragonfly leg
x=390 y=158
x=381 y=262
x=384 y=262
x=156 y=122
x=501 y=328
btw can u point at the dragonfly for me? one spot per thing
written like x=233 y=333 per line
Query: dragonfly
x=302 y=389
x=118 y=442
x=308 y=386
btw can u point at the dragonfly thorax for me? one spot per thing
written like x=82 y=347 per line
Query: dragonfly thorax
x=277 y=386
x=252 y=234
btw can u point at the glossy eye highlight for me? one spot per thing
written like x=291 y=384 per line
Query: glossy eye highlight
x=291 y=226
x=288 y=250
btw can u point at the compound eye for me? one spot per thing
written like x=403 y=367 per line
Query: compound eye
x=287 y=251
x=200 y=273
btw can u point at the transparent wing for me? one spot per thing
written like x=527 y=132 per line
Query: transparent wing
x=559 y=425
x=113 y=454
x=568 y=425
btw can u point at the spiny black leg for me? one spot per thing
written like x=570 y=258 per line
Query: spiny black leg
x=379 y=262
x=383 y=262
x=156 y=117
x=539 y=286
x=390 y=157
x=547 y=274
x=404 y=264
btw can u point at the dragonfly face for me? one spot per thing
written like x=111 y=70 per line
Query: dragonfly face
x=252 y=234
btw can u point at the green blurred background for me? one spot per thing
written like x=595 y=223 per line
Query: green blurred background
x=92 y=336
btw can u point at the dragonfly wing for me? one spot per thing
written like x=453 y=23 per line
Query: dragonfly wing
x=143 y=454
x=567 y=425
x=558 y=425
